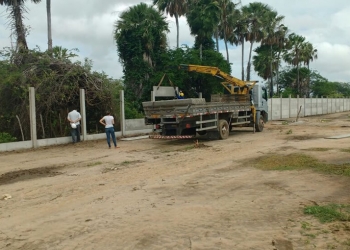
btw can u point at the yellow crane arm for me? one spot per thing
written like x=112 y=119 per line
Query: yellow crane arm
x=230 y=81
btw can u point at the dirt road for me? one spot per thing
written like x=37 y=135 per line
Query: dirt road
x=155 y=194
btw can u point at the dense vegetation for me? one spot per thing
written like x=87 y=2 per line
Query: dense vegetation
x=140 y=33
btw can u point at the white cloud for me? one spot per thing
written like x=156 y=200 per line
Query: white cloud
x=89 y=26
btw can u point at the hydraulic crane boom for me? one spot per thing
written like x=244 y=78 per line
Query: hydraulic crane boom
x=232 y=84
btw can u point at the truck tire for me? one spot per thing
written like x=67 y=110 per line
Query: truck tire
x=259 y=125
x=224 y=130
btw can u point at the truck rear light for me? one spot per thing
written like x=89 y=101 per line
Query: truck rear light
x=188 y=125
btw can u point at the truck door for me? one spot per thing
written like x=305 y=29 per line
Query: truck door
x=260 y=98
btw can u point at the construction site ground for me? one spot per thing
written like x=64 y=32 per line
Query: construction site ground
x=177 y=194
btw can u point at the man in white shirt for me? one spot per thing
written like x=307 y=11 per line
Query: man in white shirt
x=74 y=117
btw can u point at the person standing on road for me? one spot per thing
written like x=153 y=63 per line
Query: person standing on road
x=108 y=122
x=74 y=118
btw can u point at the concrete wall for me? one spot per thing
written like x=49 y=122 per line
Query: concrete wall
x=136 y=124
x=11 y=146
x=285 y=108
x=279 y=108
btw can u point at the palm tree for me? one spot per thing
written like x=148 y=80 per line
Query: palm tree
x=256 y=13
x=293 y=54
x=49 y=34
x=241 y=24
x=16 y=9
x=176 y=8
x=275 y=37
x=140 y=34
x=203 y=18
x=308 y=53
x=225 y=27
x=266 y=62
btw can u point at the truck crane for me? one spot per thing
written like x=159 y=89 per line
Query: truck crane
x=232 y=84
x=245 y=105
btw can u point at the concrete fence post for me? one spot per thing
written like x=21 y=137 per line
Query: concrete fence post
x=311 y=106
x=83 y=114
x=298 y=106
x=32 y=116
x=316 y=105
x=322 y=104
x=281 y=107
x=304 y=105
x=289 y=106
x=122 y=112
x=270 y=112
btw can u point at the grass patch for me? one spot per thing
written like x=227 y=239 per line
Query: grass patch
x=329 y=213
x=346 y=150
x=126 y=163
x=298 y=161
x=92 y=164
x=318 y=149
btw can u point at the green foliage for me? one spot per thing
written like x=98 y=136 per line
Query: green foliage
x=203 y=18
x=57 y=82
x=191 y=83
x=331 y=89
x=298 y=161
x=140 y=34
x=131 y=112
x=307 y=79
x=5 y=137
x=329 y=213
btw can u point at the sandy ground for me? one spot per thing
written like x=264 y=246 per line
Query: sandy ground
x=156 y=194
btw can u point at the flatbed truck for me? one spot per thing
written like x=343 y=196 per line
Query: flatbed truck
x=245 y=105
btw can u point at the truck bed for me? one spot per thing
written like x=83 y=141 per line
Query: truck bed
x=195 y=106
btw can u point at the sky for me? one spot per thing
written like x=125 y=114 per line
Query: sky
x=88 y=26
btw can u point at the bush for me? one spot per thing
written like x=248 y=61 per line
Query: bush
x=5 y=137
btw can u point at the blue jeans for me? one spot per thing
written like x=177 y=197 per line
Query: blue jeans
x=75 y=134
x=109 y=133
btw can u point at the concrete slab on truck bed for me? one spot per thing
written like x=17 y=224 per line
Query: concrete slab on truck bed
x=175 y=102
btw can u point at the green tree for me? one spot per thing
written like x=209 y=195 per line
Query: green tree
x=57 y=83
x=293 y=54
x=176 y=8
x=241 y=24
x=309 y=53
x=318 y=84
x=225 y=27
x=203 y=17
x=275 y=38
x=266 y=62
x=140 y=34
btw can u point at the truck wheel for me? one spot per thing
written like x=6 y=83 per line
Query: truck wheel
x=259 y=126
x=224 y=131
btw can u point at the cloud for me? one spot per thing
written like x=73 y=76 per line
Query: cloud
x=89 y=26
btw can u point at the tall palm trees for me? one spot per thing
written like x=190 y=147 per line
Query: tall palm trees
x=175 y=8
x=227 y=12
x=294 y=54
x=308 y=53
x=140 y=34
x=203 y=17
x=16 y=9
